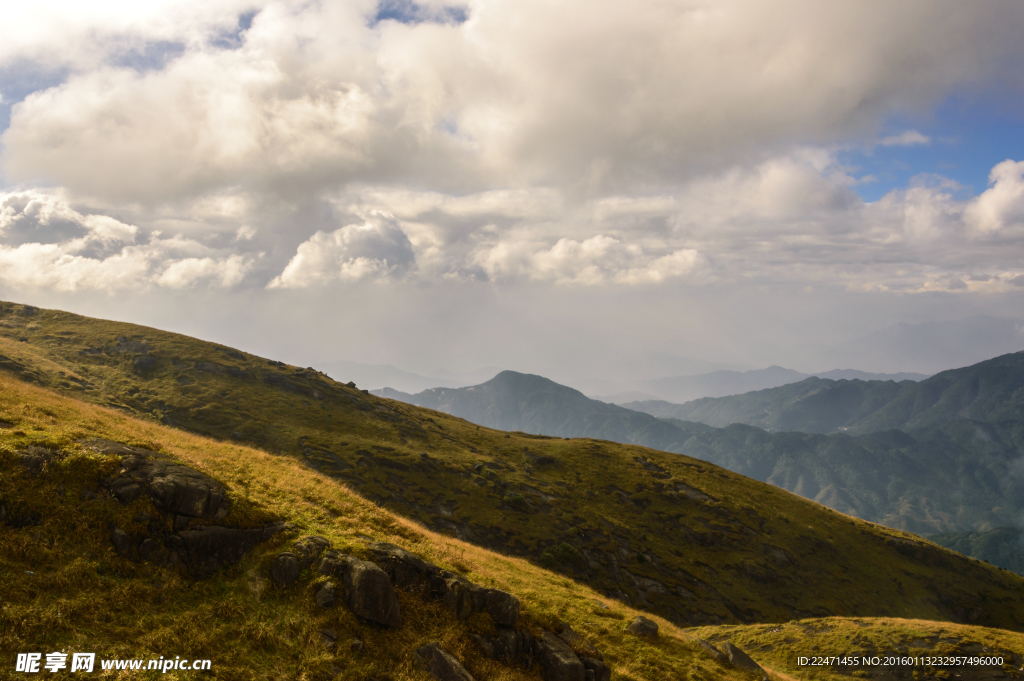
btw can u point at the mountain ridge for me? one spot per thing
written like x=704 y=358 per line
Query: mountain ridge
x=954 y=476
x=992 y=390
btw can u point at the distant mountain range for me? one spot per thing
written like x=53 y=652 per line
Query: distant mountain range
x=951 y=466
x=722 y=383
x=988 y=391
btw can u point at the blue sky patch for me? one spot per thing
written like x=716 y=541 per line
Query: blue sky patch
x=408 y=12
x=966 y=138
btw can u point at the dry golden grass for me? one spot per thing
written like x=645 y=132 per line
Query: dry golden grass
x=65 y=589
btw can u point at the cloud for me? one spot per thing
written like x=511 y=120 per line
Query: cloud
x=580 y=96
x=1001 y=206
x=906 y=139
x=226 y=272
x=376 y=249
x=600 y=259
x=98 y=252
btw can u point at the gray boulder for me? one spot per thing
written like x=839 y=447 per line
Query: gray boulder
x=599 y=669
x=285 y=569
x=740 y=659
x=559 y=660
x=501 y=606
x=440 y=664
x=326 y=595
x=642 y=626
x=459 y=597
x=308 y=549
x=408 y=570
x=714 y=652
x=172 y=486
x=508 y=646
x=368 y=589
x=207 y=549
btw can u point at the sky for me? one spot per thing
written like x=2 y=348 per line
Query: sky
x=578 y=189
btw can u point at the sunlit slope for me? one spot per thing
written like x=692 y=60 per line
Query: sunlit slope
x=779 y=648
x=65 y=587
x=675 y=535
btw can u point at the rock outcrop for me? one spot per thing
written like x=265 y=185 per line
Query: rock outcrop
x=183 y=495
x=460 y=596
x=642 y=626
x=441 y=664
x=172 y=486
x=741 y=660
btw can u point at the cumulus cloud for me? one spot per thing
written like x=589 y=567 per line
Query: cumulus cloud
x=98 y=252
x=598 y=260
x=1001 y=206
x=376 y=249
x=593 y=97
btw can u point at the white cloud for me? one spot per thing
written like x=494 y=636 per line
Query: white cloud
x=102 y=255
x=596 y=97
x=378 y=248
x=905 y=139
x=225 y=272
x=600 y=259
x=1001 y=205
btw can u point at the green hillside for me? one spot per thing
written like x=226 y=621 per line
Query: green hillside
x=674 y=535
x=86 y=568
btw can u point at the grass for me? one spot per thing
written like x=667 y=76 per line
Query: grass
x=779 y=646
x=64 y=589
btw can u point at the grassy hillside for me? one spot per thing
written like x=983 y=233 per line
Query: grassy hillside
x=780 y=647
x=991 y=391
x=66 y=588
x=678 y=536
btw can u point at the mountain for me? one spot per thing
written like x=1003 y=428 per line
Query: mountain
x=677 y=536
x=813 y=405
x=534 y=404
x=957 y=475
x=1002 y=547
x=132 y=540
x=718 y=383
x=992 y=390
x=721 y=383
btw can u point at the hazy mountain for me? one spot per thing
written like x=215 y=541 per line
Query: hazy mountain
x=813 y=405
x=948 y=475
x=721 y=383
x=992 y=390
x=534 y=404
